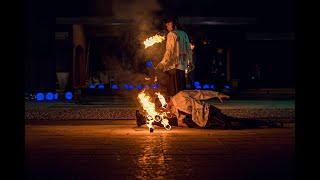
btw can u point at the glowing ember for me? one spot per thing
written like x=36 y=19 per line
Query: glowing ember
x=149 y=108
x=152 y=40
x=192 y=46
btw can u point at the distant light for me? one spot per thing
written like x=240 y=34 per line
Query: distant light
x=228 y=87
x=158 y=86
x=114 y=87
x=101 y=86
x=146 y=87
x=40 y=97
x=49 y=96
x=149 y=63
x=131 y=87
x=56 y=95
x=212 y=86
x=139 y=87
x=198 y=87
x=33 y=96
x=154 y=86
x=126 y=86
x=196 y=83
x=91 y=86
x=68 y=95
x=206 y=86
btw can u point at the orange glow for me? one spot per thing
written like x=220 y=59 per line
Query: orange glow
x=192 y=46
x=149 y=108
x=152 y=40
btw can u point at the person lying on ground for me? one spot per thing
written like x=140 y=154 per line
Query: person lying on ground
x=190 y=109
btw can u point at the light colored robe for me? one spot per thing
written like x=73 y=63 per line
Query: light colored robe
x=178 y=51
x=189 y=101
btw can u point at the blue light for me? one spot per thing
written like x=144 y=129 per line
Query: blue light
x=40 y=96
x=154 y=86
x=158 y=86
x=228 y=87
x=149 y=63
x=131 y=87
x=198 y=87
x=196 y=83
x=101 y=86
x=56 y=95
x=91 y=86
x=212 y=86
x=126 y=86
x=139 y=87
x=146 y=87
x=114 y=87
x=68 y=95
x=206 y=86
x=49 y=96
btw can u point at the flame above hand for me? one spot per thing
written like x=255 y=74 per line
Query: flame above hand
x=152 y=40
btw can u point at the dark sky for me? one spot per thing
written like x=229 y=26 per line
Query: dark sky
x=269 y=14
x=256 y=8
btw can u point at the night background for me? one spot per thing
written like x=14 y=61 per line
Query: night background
x=85 y=62
x=85 y=38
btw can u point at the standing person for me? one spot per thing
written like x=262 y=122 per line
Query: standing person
x=177 y=57
x=257 y=75
x=218 y=68
x=190 y=73
x=202 y=64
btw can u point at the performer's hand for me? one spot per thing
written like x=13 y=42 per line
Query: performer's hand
x=221 y=96
x=159 y=66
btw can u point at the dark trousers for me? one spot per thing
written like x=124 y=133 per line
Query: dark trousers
x=176 y=81
x=217 y=118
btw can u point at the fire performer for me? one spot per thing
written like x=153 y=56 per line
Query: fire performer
x=190 y=108
x=177 y=58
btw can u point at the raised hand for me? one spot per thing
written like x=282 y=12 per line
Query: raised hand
x=221 y=96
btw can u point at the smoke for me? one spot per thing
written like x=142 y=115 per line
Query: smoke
x=140 y=13
x=142 y=22
x=135 y=10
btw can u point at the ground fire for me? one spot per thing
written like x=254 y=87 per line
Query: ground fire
x=150 y=111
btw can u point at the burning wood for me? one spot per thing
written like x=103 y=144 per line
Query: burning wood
x=152 y=40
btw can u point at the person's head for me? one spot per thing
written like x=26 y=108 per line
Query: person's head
x=171 y=23
x=220 y=50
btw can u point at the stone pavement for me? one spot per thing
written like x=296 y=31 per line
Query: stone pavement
x=118 y=149
x=97 y=138
x=124 y=107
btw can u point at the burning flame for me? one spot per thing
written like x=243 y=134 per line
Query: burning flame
x=152 y=115
x=162 y=100
x=152 y=40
